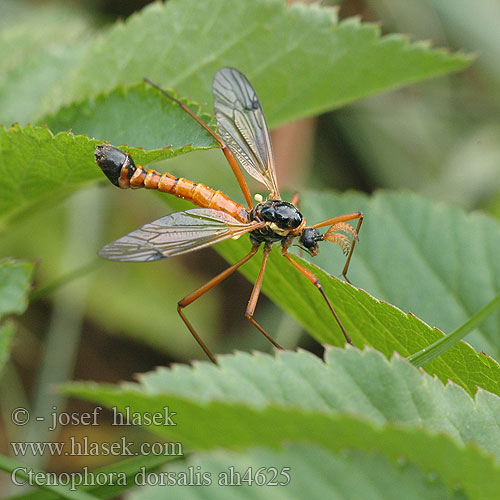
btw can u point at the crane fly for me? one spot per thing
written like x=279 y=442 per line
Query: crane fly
x=244 y=138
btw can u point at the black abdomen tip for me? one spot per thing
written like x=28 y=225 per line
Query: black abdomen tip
x=111 y=160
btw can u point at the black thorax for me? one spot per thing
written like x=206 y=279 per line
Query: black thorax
x=283 y=217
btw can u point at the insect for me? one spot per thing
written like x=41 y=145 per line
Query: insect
x=244 y=138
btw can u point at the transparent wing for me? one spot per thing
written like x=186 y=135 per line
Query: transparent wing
x=175 y=234
x=243 y=127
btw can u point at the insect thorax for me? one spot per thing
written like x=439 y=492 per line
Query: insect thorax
x=282 y=218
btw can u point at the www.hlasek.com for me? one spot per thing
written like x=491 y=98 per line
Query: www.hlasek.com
x=192 y=476
x=84 y=447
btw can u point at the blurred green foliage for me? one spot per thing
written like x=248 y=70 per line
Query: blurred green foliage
x=62 y=65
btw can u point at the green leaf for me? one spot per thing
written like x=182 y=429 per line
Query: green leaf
x=359 y=383
x=300 y=59
x=38 y=46
x=410 y=249
x=37 y=166
x=314 y=473
x=355 y=399
x=15 y=284
x=138 y=116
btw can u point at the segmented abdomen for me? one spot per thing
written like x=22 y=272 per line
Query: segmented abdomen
x=198 y=194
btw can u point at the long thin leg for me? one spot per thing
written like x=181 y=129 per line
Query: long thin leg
x=344 y=218
x=227 y=152
x=339 y=218
x=252 y=303
x=348 y=260
x=295 y=200
x=315 y=281
x=189 y=299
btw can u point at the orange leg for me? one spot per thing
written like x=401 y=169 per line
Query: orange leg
x=315 y=281
x=189 y=299
x=344 y=218
x=252 y=303
x=295 y=200
x=227 y=152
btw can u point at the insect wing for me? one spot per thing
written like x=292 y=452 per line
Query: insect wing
x=243 y=126
x=175 y=234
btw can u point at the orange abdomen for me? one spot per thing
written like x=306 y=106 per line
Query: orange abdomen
x=198 y=194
